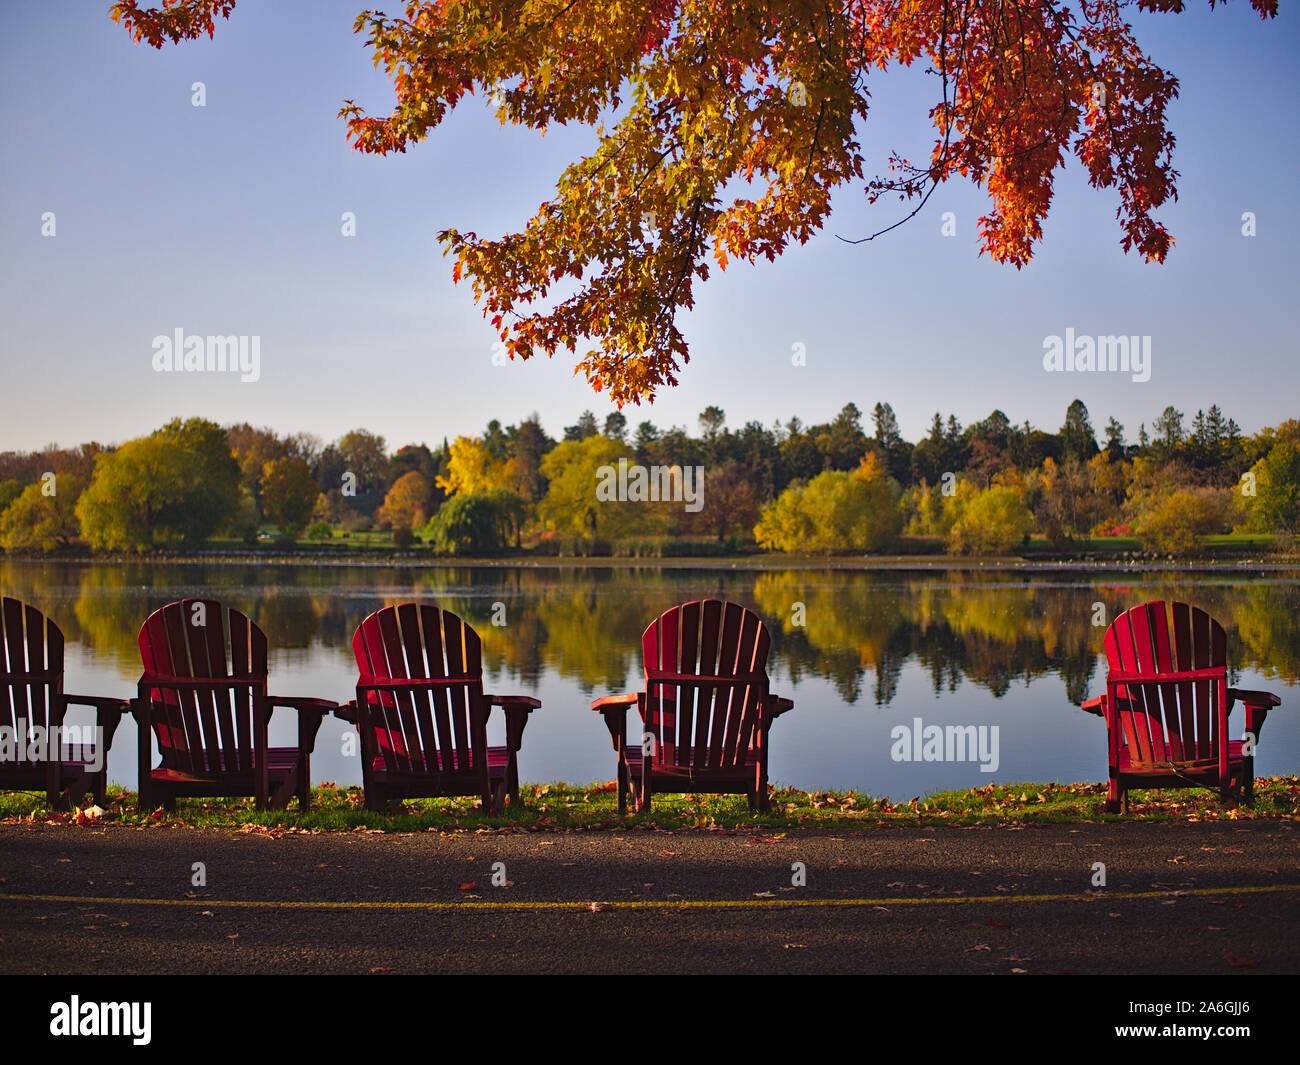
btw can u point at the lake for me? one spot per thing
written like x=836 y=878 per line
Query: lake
x=860 y=652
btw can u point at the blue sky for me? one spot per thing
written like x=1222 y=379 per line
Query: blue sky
x=225 y=219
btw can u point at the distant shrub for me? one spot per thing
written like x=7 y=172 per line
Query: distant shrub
x=835 y=512
x=355 y=521
x=1174 y=526
x=466 y=525
x=990 y=523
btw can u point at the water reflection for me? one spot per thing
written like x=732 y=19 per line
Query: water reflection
x=842 y=640
x=848 y=628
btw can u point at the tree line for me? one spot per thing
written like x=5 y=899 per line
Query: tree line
x=836 y=487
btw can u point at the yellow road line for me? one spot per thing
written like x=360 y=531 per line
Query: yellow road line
x=654 y=904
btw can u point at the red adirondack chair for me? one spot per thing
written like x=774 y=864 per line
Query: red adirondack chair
x=705 y=709
x=422 y=714
x=203 y=696
x=1167 y=703
x=32 y=698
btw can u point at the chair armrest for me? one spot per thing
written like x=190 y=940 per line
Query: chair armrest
x=303 y=702
x=100 y=702
x=611 y=701
x=1257 y=705
x=108 y=711
x=517 y=708
x=514 y=702
x=346 y=711
x=1095 y=706
x=778 y=705
x=311 y=712
x=1254 y=699
x=613 y=709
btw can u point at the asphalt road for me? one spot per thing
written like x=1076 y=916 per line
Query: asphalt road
x=1181 y=898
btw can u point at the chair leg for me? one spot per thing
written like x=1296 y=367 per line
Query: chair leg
x=279 y=799
x=304 y=784
x=623 y=788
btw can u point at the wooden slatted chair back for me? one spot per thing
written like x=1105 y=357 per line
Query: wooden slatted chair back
x=705 y=670
x=421 y=729
x=204 y=729
x=1170 y=720
x=31 y=672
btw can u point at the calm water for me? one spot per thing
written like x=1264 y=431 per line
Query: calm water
x=876 y=650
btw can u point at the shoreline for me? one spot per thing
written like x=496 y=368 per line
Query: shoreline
x=593 y=807
x=761 y=563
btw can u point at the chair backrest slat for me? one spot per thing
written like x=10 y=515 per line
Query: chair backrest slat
x=1184 y=742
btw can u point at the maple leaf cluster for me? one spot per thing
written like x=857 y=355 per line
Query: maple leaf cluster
x=724 y=126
